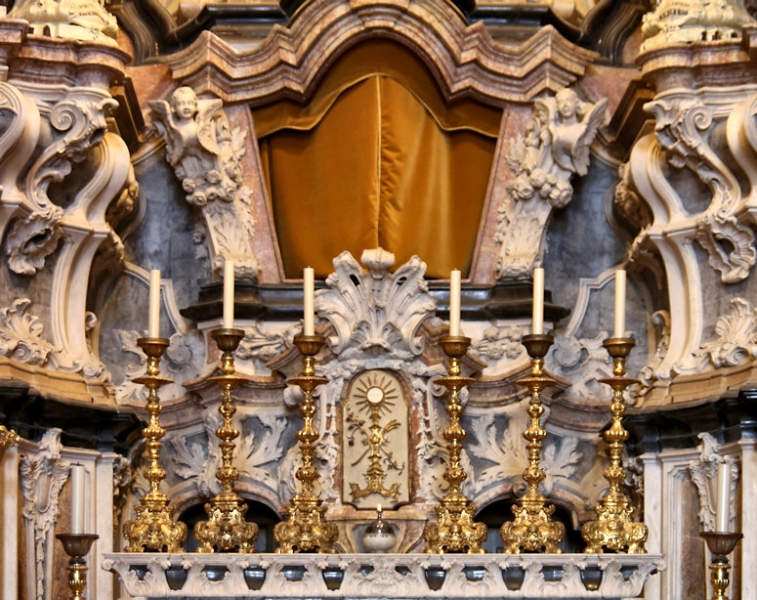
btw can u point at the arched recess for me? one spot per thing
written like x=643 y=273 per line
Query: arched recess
x=463 y=60
x=377 y=158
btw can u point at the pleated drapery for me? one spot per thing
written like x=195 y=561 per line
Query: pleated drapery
x=376 y=158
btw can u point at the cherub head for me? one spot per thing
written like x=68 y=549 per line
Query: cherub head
x=567 y=103
x=184 y=103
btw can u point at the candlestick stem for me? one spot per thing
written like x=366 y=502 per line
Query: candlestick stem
x=155 y=528
x=77 y=546
x=305 y=529
x=226 y=529
x=455 y=529
x=614 y=528
x=532 y=529
x=720 y=544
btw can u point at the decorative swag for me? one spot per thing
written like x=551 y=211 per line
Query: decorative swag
x=377 y=158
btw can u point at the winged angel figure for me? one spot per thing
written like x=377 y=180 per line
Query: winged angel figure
x=199 y=145
x=559 y=135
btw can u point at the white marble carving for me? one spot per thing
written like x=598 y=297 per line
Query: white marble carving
x=42 y=477
x=704 y=475
x=681 y=126
x=205 y=154
x=182 y=360
x=85 y=20
x=50 y=129
x=79 y=124
x=691 y=21
x=556 y=147
x=263 y=344
x=652 y=371
x=21 y=335
x=197 y=460
x=583 y=361
x=392 y=576
x=373 y=310
x=736 y=332
x=499 y=344
x=506 y=456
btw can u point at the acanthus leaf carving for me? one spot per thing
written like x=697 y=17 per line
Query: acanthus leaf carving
x=374 y=310
x=205 y=154
x=736 y=343
x=264 y=345
x=558 y=138
x=21 y=335
x=182 y=361
x=81 y=124
x=42 y=478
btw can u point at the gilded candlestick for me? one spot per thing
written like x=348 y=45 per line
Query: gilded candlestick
x=155 y=528
x=533 y=530
x=615 y=528
x=305 y=529
x=226 y=529
x=721 y=544
x=455 y=529
x=77 y=546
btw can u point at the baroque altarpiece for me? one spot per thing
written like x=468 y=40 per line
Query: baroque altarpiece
x=384 y=143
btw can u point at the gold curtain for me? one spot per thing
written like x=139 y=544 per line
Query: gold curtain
x=376 y=158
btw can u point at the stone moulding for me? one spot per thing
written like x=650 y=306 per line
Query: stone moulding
x=564 y=576
x=465 y=58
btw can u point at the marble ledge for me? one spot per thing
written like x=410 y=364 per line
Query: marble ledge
x=391 y=576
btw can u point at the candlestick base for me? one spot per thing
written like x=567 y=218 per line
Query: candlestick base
x=721 y=544
x=77 y=546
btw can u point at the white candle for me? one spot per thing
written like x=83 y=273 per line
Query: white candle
x=723 y=506
x=308 y=290
x=537 y=326
x=77 y=499
x=454 y=302
x=153 y=319
x=228 y=294
x=620 y=304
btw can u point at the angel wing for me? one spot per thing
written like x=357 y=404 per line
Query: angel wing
x=167 y=129
x=580 y=149
x=209 y=112
x=538 y=137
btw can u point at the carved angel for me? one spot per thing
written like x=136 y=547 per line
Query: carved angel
x=566 y=127
x=191 y=128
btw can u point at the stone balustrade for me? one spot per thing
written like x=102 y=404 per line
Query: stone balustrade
x=450 y=576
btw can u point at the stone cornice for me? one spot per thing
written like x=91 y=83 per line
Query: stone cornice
x=464 y=58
